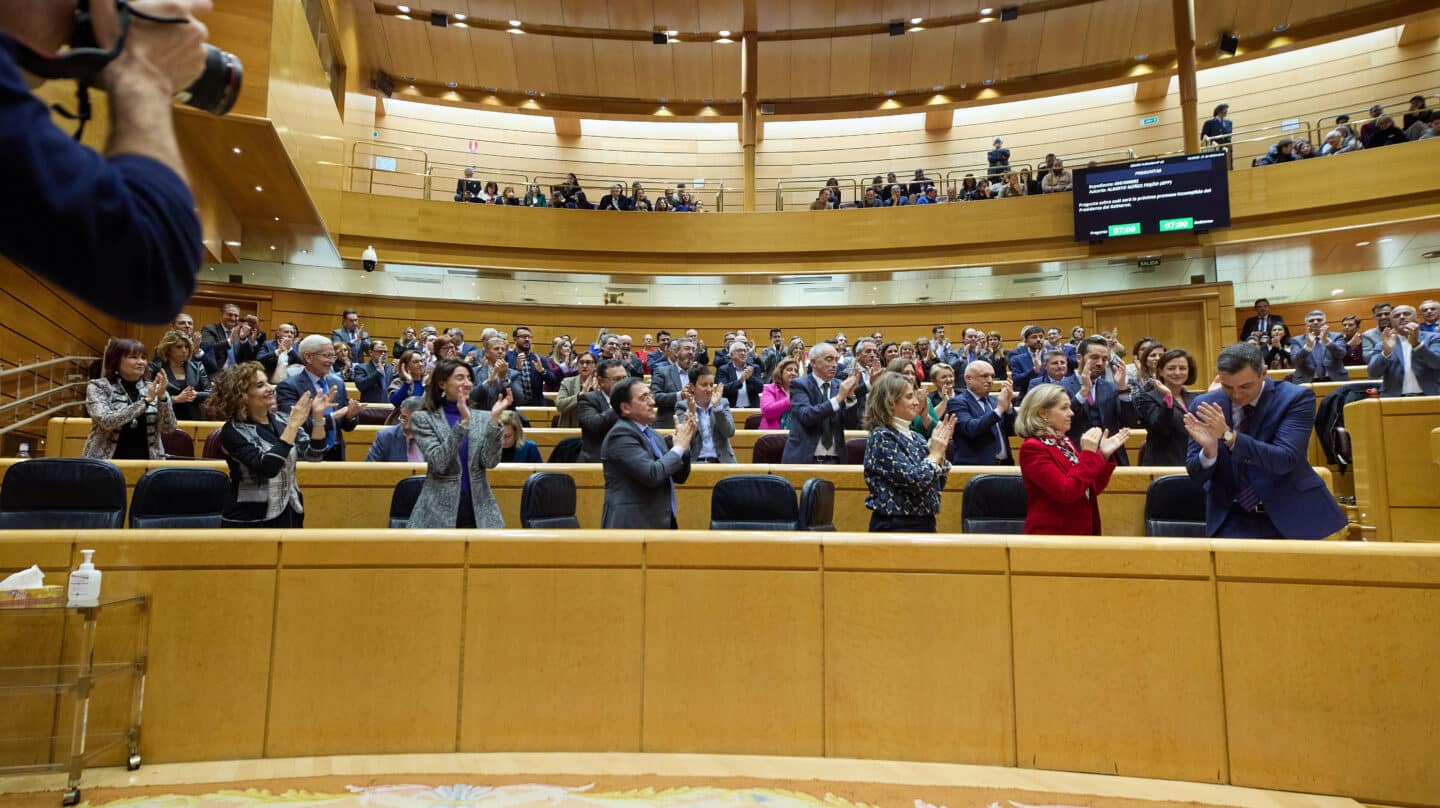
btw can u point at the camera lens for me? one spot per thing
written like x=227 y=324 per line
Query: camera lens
x=218 y=86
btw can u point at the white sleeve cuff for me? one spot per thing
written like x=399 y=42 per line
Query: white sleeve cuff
x=1207 y=462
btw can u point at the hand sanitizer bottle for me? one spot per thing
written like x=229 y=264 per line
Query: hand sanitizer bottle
x=85 y=583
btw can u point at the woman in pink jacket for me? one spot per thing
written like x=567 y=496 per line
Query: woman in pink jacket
x=775 y=398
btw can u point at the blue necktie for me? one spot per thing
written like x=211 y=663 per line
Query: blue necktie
x=324 y=386
x=999 y=438
x=658 y=447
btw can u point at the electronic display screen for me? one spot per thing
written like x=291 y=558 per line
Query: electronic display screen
x=1160 y=195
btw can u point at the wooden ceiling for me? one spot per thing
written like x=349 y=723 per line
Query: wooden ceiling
x=1049 y=37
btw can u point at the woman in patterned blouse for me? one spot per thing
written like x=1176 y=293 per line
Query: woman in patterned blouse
x=904 y=472
x=1062 y=486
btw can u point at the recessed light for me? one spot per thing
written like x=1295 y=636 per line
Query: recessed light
x=452 y=85
x=724 y=40
x=937 y=88
x=514 y=23
x=1385 y=240
x=987 y=19
x=1140 y=57
x=403 y=9
x=672 y=32
x=1362 y=244
x=276 y=218
x=989 y=82
x=916 y=20
x=915 y=28
x=232 y=244
x=1334 y=292
x=401 y=17
x=259 y=188
x=460 y=17
x=987 y=11
x=304 y=252
x=724 y=33
x=235 y=149
x=1282 y=27
x=514 y=31
x=889 y=92
x=462 y=25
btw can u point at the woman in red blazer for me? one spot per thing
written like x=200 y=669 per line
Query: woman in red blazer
x=1062 y=486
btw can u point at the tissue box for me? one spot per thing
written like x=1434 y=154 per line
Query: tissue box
x=52 y=595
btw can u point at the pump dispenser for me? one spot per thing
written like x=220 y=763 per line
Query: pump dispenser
x=85 y=582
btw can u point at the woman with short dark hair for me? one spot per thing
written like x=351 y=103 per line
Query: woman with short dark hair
x=127 y=414
x=1162 y=410
x=458 y=449
x=409 y=377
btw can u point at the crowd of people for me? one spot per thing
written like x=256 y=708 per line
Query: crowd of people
x=569 y=194
x=1072 y=396
x=1418 y=123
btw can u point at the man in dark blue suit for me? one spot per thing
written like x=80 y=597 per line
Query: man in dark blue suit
x=396 y=443
x=819 y=403
x=1095 y=399
x=1407 y=362
x=981 y=420
x=282 y=350
x=318 y=355
x=1249 y=445
x=532 y=373
x=739 y=379
x=1318 y=355
x=1027 y=362
x=373 y=378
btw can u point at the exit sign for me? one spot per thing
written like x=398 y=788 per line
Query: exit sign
x=1150 y=261
x=1150 y=121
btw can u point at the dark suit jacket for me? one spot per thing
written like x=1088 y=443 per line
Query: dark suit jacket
x=808 y=409
x=359 y=347
x=729 y=380
x=1023 y=371
x=596 y=419
x=1424 y=360
x=471 y=187
x=372 y=382
x=289 y=391
x=623 y=203
x=1252 y=325
x=268 y=356
x=390 y=446
x=1055 y=489
x=1274 y=449
x=1165 y=438
x=974 y=441
x=1108 y=412
x=1332 y=369
x=538 y=379
x=666 y=382
x=637 y=481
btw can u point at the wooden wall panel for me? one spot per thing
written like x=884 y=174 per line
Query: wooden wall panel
x=614 y=67
x=575 y=69
x=535 y=61
x=495 y=65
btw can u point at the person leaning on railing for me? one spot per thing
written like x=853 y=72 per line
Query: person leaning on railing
x=127 y=414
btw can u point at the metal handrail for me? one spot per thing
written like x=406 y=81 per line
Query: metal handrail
x=1126 y=153
x=355 y=145
x=1320 y=125
x=41 y=416
x=494 y=175
x=953 y=177
x=31 y=368
x=816 y=183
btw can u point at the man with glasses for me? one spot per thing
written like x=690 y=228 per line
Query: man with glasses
x=317 y=353
x=739 y=379
x=1318 y=355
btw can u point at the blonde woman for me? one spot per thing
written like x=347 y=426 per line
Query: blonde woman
x=1062 y=483
x=904 y=472
x=127 y=414
x=926 y=420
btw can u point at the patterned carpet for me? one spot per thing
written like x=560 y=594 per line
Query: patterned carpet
x=550 y=791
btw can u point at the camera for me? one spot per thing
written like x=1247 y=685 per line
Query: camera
x=218 y=86
x=368 y=259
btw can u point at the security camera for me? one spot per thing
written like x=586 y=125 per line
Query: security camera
x=368 y=259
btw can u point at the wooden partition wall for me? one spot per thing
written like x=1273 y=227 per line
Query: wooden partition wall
x=1284 y=665
x=1396 y=492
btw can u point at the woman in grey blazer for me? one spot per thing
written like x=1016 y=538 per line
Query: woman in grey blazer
x=457 y=450
x=567 y=403
x=127 y=414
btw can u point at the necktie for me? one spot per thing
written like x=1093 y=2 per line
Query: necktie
x=827 y=425
x=995 y=430
x=1245 y=495
x=658 y=447
x=322 y=387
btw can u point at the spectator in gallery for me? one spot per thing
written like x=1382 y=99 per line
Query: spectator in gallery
x=1434 y=129
x=616 y=199
x=467 y=188
x=1032 y=185
x=685 y=205
x=872 y=199
x=822 y=200
x=775 y=397
x=918 y=183
x=491 y=193
x=833 y=185
x=1416 y=110
x=1421 y=126
x=1219 y=126
x=642 y=202
x=458 y=446
x=1375 y=113
x=890 y=182
x=904 y=471
x=1304 y=149
x=966 y=190
x=930 y=197
x=128 y=415
x=1385 y=133
x=1057 y=180
x=662 y=204
x=534 y=197
x=261 y=447
x=1161 y=411
x=999 y=159
x=983 y=190
x=1340 y=141
x=1013 y=186
x=396 y=443
x=896 y=197
x=514 y=448
x=1280 y=152
x=1063 y=481
x=508 y=197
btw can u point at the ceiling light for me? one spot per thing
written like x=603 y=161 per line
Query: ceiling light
x=672 y=32
x=461 y=25
x=403 y=9
x=259 y=188
x=987 y=19
x=304 y=252
x=1334 y=292
x=1140 y=57
x=460 y=17
x=514 y=23
x=724 y=33
x=276 y=218
x=452 y=85
x=915 y=28
x=401 y=17
x=1282 y=27
x=514 y=31
x=724 y=40
x=272 y=246
x=232 y=244
x=937 y=88
x=987 y=11
x=916 y=20
x=1385 y=240
x=236 y=149
x=1362 y=244
x=889 y=92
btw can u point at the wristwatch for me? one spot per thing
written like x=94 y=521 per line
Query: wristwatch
x=1228 y=436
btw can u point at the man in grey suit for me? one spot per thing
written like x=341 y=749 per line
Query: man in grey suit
x=1408 y=362
x=1370 y=340
x=352 y=333
x=668 y=381
x=714 y=423
x=640 y=473
x=1318 y=355
x=596 y=414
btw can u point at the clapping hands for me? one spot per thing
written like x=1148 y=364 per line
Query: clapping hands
x=940 y=438
x=1206 y=425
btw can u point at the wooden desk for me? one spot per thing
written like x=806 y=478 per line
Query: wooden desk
x=1395 y=489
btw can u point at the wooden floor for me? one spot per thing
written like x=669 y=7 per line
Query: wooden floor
x=699 y=766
